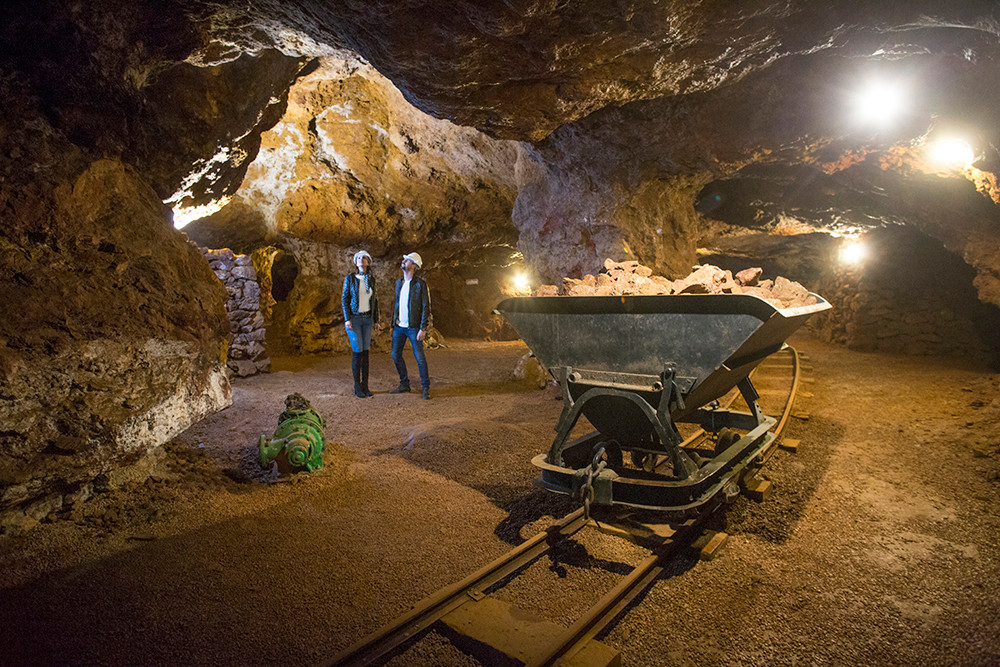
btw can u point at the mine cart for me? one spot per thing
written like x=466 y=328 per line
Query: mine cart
x=635 y=366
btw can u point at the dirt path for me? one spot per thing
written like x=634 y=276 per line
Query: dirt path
x=880 y=544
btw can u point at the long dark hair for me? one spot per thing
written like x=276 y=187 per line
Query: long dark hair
x=370 y=273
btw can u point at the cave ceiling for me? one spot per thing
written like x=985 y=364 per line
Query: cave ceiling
x=630 y=126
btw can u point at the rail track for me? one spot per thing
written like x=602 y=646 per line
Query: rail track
x=665 y=544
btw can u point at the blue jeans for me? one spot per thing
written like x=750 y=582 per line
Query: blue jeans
x=360 y=334
x=399 y=336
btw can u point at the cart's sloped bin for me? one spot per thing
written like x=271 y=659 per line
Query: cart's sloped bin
x=712 y=340
x=635 y=365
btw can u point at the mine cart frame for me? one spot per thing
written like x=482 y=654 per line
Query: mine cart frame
x=694 y=482
x=635 y=366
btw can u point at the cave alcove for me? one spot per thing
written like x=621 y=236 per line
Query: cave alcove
x=909 y=295
x=284 y=271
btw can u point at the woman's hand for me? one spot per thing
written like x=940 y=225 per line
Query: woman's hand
x=421 y=334
x=347 y=325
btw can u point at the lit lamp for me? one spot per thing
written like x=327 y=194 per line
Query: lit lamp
x=951 y=153
x=521 y=284
x=853 y=252
x=879 y=103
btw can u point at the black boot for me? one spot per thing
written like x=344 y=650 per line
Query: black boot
x=356 y=371
x=403 y=388
x=364 y=374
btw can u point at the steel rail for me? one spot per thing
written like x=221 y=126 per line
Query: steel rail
x=608 y=607
x=786 y=413
x=434 y=607
x=645 y=574
x=388 y=638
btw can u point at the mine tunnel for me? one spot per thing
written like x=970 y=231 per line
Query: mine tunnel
x=565 y=236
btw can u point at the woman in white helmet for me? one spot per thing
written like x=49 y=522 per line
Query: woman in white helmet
x=360 y=305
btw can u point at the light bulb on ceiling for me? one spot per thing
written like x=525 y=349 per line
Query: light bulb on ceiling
x=879 y=103
x=951 y=153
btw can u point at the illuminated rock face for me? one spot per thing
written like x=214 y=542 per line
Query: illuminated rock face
x=352 y=165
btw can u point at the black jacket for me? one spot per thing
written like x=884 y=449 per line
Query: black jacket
x=349 y=299
x=420 y=303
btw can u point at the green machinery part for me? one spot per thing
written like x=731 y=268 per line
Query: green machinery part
x=298 y=442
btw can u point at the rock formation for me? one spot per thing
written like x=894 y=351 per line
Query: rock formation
x=117 y=338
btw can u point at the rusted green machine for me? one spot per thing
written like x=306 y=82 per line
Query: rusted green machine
x=299 y=441
x=635 y=366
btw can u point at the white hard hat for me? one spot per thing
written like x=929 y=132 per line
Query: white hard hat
x=361 y=253
x=415 y=258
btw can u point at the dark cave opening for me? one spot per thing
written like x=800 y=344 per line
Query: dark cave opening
x=284 y=271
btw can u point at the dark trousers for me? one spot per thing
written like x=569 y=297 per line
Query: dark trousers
x=399 y=336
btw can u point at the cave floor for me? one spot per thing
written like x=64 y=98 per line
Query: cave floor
x=879 y=545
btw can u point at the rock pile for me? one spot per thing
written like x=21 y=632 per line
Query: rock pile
x=247 y=353
x=531 y=371
x=624 y=278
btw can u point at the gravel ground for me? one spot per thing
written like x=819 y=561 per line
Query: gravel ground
x=879 y=545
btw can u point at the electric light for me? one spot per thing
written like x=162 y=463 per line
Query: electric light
x=853 y=252
x=521 y=283
x=951 y=152
x=879 y=103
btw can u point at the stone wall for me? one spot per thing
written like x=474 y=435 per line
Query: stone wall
x=909 y=296
x=877 y=317
x=247 y=351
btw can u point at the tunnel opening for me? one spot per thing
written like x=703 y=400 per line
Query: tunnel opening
x=284 y=271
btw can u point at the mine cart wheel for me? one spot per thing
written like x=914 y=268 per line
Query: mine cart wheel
x=727 y=436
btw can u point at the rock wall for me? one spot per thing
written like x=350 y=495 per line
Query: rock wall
x=117 y=338
x=909 y=296
x=247 y=351
x=352 y=165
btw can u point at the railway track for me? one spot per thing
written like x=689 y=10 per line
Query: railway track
x=666 y=543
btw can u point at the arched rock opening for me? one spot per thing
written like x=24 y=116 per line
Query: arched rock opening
x=284 y=271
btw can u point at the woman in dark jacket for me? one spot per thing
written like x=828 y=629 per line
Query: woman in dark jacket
x=360 y=305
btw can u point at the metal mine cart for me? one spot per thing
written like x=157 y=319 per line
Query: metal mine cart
x=635 y=366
